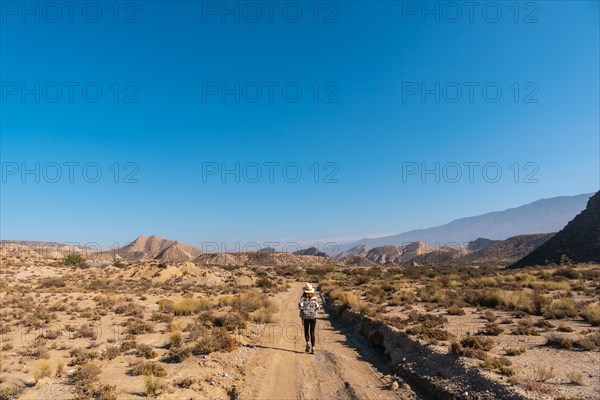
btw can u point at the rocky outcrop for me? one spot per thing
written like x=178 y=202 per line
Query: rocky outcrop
x=577 y=242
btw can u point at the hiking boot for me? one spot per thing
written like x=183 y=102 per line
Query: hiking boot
x=307 y=348
x=312 y=351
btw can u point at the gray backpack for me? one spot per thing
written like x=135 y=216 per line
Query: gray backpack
x=308 y=308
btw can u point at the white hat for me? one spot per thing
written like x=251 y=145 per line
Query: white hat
x=308 y=288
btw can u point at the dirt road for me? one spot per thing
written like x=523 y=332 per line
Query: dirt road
x=344 y=366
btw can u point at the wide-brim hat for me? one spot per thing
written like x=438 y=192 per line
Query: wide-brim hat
x=308 y=288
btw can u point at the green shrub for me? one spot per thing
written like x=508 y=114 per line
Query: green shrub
x=74 y=259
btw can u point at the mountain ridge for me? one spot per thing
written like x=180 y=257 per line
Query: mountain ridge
x=540 y=216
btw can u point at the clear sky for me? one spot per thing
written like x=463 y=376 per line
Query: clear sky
x=170 y=93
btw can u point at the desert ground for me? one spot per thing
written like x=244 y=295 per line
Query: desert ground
x=227 y=327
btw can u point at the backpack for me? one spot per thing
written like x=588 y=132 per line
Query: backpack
x=308 y=308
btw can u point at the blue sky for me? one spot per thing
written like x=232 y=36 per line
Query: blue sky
x=362 y=118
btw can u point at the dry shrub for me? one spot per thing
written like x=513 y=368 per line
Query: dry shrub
x=87 y=331
x=230 y=321
x=432 y=334
x=249 y=302
x=11 y=392
x=145 y=351
x=263 y=316
x=176 y=340
x=147 y=368
x=560 y=309
x=85 y=375
x=42 y=370
x=217 y=340
x=177 y=355
x=455 y=310
x=345 y=298
x=151 y=384
x=499 y=364
x=525 y=327
x=60 y=369
x=183 y=307
x=184 y=383
x=543 y=374
x=81 y=356
x=499 y=298
x=564 y=328
x=111 y=352
x=575 y=377
x=511 y=351
x=97 y=392
x=591 y=313
x=472 y=347
x=491 y=329
x=138 y=326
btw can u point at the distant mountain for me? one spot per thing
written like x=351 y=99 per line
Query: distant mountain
x=484 y=251
x=480 y=251
x=579 y=241
x=385 y=254
x=311 y=251
x=359 y=250
x=155 y=248
x=541 y=216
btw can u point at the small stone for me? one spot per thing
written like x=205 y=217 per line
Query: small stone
x=395 y=386
x=466 y=394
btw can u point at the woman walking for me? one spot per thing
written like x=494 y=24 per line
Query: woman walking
x=308 y=312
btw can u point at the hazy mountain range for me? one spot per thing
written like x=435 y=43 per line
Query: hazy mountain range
x=498 y=237
x=541 y=216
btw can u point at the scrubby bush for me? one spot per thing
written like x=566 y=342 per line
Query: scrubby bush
x=147 y=368
x=525 y=327
x=455 y=310
x=145 y=351
x=491 y=329
x=177 y=355
x=74 y=259
x=217 y=340
x=187 y=306
x=591 y=313
x=560 y=309
x=138 y=326
x=151 y=384
x=511 y=351
x=11 y=392
x=230 y=321
x=43 y=369
x=85 y=375
x=112 y=352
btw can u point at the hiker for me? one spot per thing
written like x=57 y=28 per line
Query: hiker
x=308 y=306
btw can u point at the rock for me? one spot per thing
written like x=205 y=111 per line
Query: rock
x=395 y=386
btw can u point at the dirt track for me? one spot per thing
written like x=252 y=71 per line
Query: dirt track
x=344 y=366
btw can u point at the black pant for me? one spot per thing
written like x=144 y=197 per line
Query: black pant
x=309 y=330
